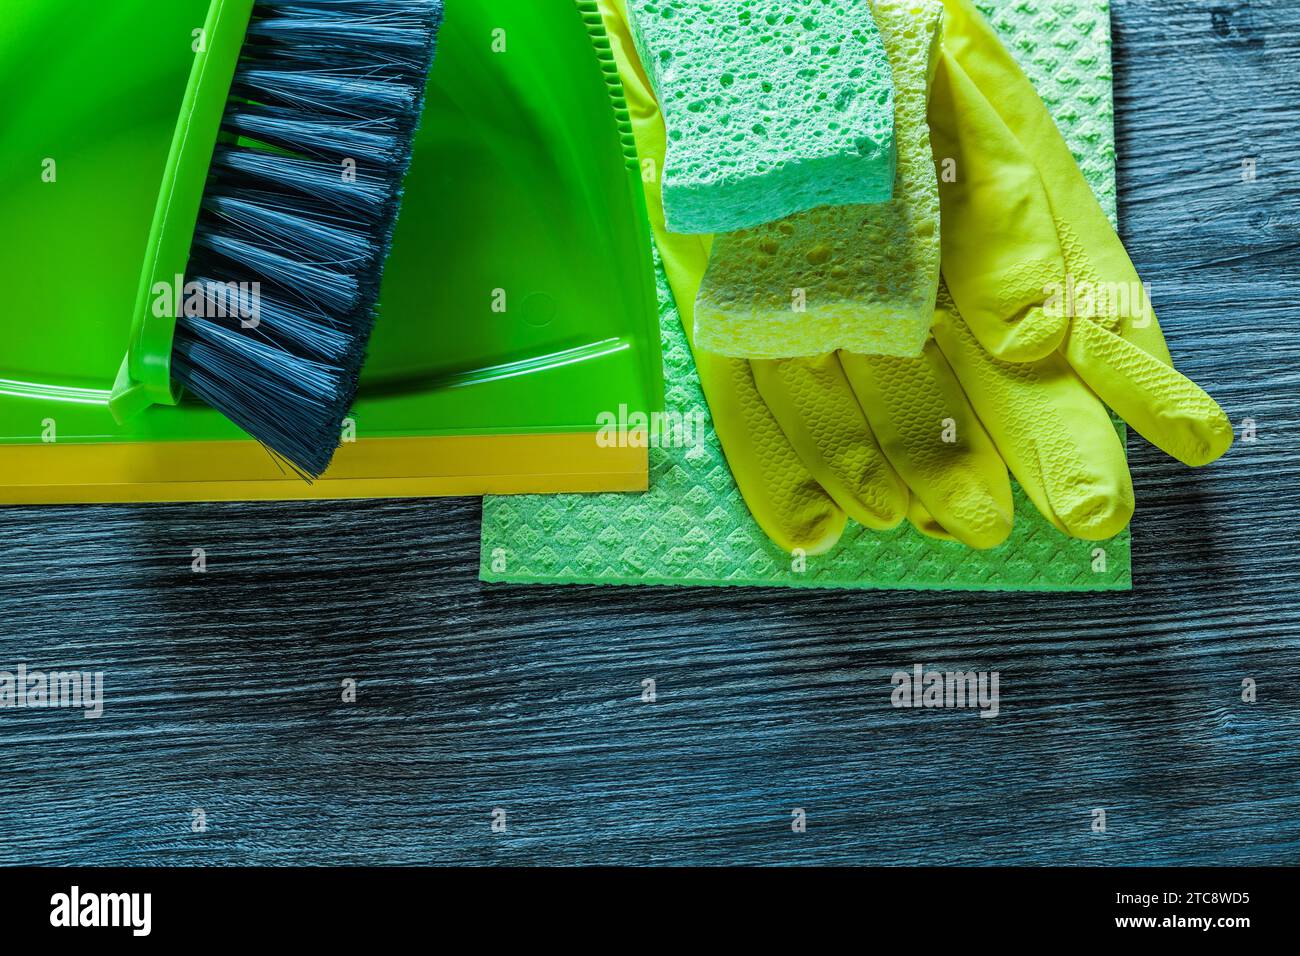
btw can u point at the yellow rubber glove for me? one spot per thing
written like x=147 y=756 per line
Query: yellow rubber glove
x=813 y=441
x=799 y=445
x=1030 y=258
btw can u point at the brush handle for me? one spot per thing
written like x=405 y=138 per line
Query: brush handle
x=145 y=377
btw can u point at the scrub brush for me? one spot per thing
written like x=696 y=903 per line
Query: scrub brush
x=298 y=124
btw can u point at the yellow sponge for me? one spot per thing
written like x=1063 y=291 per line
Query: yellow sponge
x=859 y=278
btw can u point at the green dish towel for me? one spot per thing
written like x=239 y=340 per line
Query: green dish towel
x=692 y=528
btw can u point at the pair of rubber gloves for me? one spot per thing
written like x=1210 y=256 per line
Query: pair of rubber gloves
x=1007 y=380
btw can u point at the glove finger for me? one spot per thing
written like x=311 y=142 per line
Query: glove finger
x=999 y=240
x=1054 y=434
x=1163 y=406
x=924 y=522
x=783 y=496
x=931 y=435
x=820 y=416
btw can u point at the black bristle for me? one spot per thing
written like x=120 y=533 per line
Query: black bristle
x=311 y=181
x=325 y=91
x=290 y=229
x=373 y=142
x=298 y=216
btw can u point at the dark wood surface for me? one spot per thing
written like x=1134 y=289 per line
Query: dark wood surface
x=223 y=689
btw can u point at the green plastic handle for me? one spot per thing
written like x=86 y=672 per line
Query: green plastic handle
x=145 y=376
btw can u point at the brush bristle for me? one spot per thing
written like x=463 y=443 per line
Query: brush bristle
x=298 y=216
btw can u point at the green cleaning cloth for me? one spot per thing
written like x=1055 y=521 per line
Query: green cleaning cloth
x=692 y=528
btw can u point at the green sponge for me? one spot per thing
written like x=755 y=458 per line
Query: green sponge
x=860 y=278
x=772 y=107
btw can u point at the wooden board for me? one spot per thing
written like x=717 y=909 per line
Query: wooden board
x=223 y=689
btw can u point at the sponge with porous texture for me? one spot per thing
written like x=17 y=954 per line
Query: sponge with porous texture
x=772 y=107
x=861 y=278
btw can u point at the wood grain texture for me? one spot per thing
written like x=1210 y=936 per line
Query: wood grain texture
x=223 y=689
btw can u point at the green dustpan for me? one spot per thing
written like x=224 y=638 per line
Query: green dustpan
x=518 y=305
